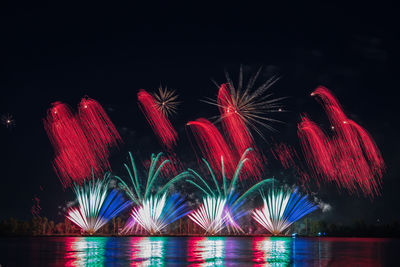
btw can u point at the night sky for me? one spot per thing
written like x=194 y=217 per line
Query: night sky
x=62 y=53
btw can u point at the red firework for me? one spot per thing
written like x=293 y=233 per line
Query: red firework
x=160 y=124
x=350 y=157
x=238 y=133
x=74 y=156
x=317 y=148
x=213 y=145
x=81 y=143
x=100 y=131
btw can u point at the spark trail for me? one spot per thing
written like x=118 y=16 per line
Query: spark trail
x=74 y=159
x=98 y=128
x=212 y=145
x=281 y=209
x=349 y=157
x=158 y=121
x=81 y=143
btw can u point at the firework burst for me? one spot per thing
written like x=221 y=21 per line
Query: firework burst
x=96 y=205
x=153 y=211
x=166 y=101
x=281 y=209
x=221 y=208
x=250 y=102
x=8 y=121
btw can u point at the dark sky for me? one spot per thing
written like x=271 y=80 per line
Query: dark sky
x=63 y=52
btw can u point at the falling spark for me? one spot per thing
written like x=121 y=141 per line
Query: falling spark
x=98 y=128
x=349 y=157
x=74 y=157
x=212 y=145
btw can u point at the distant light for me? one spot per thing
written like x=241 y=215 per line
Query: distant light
x=280 y=110
x=294 y=234
x=332 y=127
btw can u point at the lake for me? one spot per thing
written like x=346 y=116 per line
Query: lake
x=198 y=251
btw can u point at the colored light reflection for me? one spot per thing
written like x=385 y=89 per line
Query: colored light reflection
x=206 y=251
x=273 y=251
x=148 y=251
x=85 y=251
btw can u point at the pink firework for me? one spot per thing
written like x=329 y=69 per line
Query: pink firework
x=349 y=157
x=212 y=145
x=158 y=121
x=239 y=135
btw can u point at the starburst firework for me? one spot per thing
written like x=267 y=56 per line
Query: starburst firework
x=166 y=101
x=251 y=103
x=8 y=121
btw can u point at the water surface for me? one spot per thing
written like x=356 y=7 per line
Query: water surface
x=198 y=251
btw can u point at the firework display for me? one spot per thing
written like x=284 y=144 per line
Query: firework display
x=281 y=209
x=243 y=107
x=230 y=154
x=221 y=207
x=96 y=205
x=158 y=121
x=81 y=143
x=236 y=129
x=349 y=157
x=153 y=211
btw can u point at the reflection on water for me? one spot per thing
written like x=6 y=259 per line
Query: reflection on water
x=149 y=251
x=81 y=251
x=206 y=251
x=197 y=251
x=276 y=251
